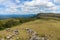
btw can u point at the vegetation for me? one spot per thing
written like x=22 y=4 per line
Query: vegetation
x=42 y=24
x=7 y=23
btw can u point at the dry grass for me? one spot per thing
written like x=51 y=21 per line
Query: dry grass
x=49 y=27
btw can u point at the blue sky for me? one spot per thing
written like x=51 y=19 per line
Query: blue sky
x=29 y=6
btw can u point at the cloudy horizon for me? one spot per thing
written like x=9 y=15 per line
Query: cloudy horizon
x=29 y=6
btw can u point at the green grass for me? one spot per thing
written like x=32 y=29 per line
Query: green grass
x=50 y=27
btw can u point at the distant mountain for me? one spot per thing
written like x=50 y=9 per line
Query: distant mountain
x=39 y=15
x=16 y=16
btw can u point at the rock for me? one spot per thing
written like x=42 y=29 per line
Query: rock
x=35 y=38
x=35 y=33
x=27 y=28
x=9 y=36
x=45 y=37
x=15 y=32
x=29 y=31
x=8 y=29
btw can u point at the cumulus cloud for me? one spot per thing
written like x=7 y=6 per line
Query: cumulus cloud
x=34 y=6
x=38 y=4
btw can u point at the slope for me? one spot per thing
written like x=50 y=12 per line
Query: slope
x=48 y=27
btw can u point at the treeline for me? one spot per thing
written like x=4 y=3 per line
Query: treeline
x=18 y=21
x=8 y=23
x=13 y=22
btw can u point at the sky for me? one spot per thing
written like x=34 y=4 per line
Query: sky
x=29 y=6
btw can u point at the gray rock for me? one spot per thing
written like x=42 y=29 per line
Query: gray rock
x=16 y=32
x=35 y=38
x=29 y=30
x=35 y=33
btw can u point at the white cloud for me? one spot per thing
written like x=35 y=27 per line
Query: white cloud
x=38 y=3
x=57 y=1
x=33 y=6
x=17 y=1
x=50 y=4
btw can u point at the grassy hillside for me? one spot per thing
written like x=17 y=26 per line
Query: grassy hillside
x=41 y=26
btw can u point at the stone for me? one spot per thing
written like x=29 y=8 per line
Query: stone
x=9 y=36
x=29 y=31
x=46 y=38
x=35 y=38
x=35 y=33
x=8 y=29
x=16 y=32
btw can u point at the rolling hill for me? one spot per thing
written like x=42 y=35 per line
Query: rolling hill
x=49 y=27
x=42 y=23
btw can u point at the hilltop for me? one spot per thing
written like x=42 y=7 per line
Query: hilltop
x=57 y=15
x=48 y=25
